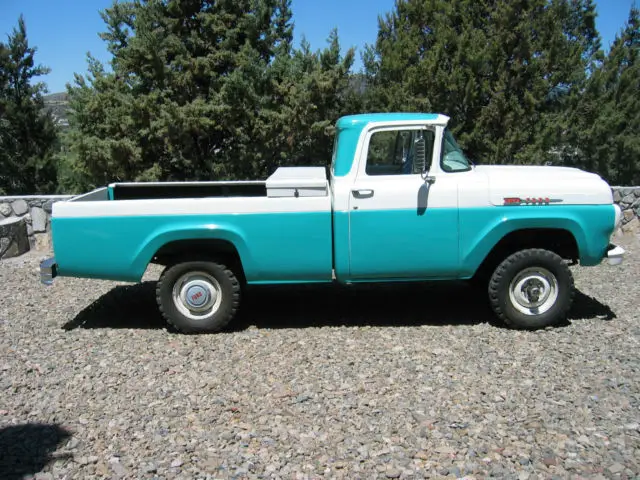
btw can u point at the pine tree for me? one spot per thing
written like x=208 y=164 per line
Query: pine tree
x=605 y=124
x=312 y=92
x=502 y=70
x=186 y=82
x=202 y=90
x=27 y=133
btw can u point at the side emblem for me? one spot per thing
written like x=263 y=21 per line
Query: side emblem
x=530 y=201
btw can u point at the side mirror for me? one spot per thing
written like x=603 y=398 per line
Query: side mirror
x=420 y=159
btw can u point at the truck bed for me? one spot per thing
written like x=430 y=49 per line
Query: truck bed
x=285 y=182
x=280 y=228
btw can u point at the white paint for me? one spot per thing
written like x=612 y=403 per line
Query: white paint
x=342 y=186
x=393 y=192
x=190 y=206
x=295 y=176
x=186 y=183
x=483 y=186
x=570 y=185
x=300 y=181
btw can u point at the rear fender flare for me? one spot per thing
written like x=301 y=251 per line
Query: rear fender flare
x=204 y=231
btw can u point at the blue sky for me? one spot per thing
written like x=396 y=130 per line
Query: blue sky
x=65 y=30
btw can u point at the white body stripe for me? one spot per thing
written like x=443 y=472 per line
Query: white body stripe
x=192 y=206
x=483 y=186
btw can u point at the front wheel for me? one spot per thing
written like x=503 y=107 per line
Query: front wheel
x=198 y=296
x=531 y=289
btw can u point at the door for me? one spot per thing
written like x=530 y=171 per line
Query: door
x=401 y=227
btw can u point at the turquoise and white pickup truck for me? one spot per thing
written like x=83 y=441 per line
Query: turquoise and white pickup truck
x=400 y=202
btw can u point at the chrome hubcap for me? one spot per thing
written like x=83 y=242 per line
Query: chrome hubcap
x=197 y=295
x=533 y=291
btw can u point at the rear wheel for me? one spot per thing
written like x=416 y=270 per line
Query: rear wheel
x=531 y=289
x=198 y=296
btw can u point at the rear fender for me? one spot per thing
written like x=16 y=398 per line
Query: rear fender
x=199 y=231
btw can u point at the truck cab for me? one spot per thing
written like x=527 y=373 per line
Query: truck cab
x=439 y=218
x=396 y=181
x=400 y=202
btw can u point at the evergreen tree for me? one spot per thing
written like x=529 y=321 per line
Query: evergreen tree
x=311 y=93
x=27 y=133
x=503 y=70
x=201 y=90
x=605 y=124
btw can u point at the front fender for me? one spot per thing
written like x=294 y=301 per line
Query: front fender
x=482 y=229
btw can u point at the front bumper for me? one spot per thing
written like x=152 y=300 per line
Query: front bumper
x=48 y=270
x=615 y=254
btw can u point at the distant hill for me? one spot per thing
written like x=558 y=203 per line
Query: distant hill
x=58 y=105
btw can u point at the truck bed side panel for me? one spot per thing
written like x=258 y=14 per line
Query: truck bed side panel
x=278 y=240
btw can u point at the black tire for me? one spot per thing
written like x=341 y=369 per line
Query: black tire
x=220 y=277
x=538 y=266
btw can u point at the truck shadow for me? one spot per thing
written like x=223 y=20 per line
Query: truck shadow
x=27 y=449
x=394 y=305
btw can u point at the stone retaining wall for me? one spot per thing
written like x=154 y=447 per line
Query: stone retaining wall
x=629 y=200
x=26 y=221
x=36 y=214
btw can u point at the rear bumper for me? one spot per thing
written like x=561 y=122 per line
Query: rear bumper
x=615 y=254
x=48 y=270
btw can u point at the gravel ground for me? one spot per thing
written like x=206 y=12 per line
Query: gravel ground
x=372 y=382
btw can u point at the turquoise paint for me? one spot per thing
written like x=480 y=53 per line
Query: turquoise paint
x=282 y=247
x=348 y=133
x=364 y=119
x=393 y=245
x=290 y=282
x=110 y=193
x=448 y=243
x=346 y=144
x=403 y=244
x=482 y=228
x=341 y=237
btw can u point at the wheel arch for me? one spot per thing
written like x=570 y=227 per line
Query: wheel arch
x=558 y=240
x=220 y=250
x=221 y=243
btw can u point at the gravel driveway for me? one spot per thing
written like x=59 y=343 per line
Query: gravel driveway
x=372 y=382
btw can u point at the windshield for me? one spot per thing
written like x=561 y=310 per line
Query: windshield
x=453 y=158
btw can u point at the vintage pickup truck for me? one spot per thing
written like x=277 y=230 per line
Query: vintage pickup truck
x=400 y=202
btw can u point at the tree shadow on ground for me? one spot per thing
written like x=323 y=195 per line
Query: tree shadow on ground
x=392 y=305
x=27 y=449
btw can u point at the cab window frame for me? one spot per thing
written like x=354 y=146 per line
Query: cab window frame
x=413 y=130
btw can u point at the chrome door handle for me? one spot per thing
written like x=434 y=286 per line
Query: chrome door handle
x=367 y=193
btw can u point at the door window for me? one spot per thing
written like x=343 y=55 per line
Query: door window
x=391 y=152
x=453 y=159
